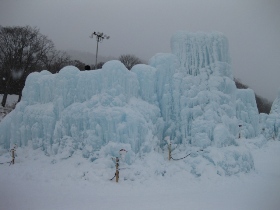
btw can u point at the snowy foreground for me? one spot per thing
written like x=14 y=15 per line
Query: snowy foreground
x=36 y=181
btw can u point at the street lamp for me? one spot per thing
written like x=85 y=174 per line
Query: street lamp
x=99 y=38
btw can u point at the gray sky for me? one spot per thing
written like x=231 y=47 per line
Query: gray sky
x=144 y=28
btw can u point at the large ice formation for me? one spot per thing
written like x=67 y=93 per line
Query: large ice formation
x=247 y=113
x=271 y=123
x=188 y=95
x=92 y=107
x=199 y=50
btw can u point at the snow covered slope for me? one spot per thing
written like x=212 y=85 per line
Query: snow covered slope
x=188 y=95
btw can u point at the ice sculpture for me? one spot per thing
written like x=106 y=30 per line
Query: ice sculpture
x=188 y=94
x=247 y=113
x=271 y=122
x=199 y=50
x=195 y=89
x=92 y=107
x=275 y=108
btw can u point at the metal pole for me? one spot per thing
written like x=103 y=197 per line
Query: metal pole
x=169 y=151
x=13 y=156
x=97 y=38
x=117 y=169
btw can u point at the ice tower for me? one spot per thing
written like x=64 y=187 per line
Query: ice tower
x=196 y=92
x=197 y=51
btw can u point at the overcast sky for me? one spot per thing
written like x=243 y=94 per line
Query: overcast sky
x=144 y=28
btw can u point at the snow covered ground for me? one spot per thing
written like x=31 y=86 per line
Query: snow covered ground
x=37 y=181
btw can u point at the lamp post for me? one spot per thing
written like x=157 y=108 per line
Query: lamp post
x=99 y=38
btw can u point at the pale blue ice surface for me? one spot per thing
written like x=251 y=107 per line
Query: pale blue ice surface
x=188 y=95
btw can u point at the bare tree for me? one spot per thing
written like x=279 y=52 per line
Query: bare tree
x=99 y=65
x=55 y=60
x=129 y=60
x=24 y=50
x=80 y=65
x=263 y=104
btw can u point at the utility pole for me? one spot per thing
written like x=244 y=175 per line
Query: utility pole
x=99 y=38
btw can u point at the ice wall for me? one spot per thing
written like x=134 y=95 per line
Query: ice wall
x=92 y=107
x=188 y=95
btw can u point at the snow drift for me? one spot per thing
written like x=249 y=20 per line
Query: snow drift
x=188 y=95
